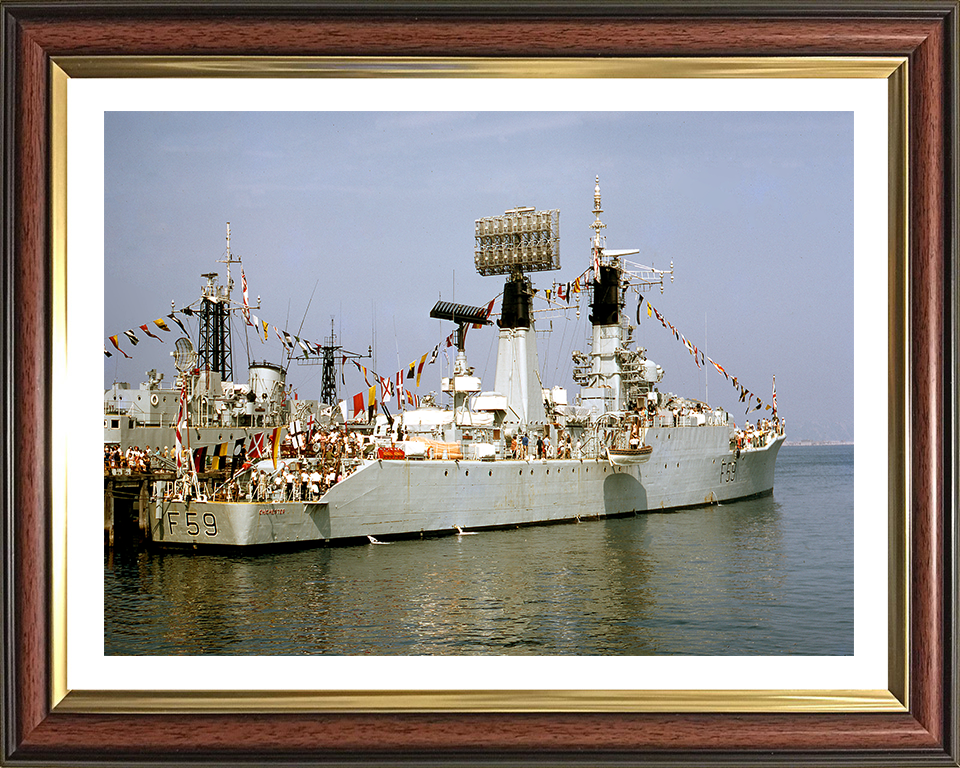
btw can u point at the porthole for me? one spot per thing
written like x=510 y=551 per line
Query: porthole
x=444 y=473
x=490 y=473
x=467 y=473
x=521 y=471
x=548 y=471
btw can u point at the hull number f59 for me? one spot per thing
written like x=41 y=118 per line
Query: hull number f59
x=193 y=520
x=728 y=471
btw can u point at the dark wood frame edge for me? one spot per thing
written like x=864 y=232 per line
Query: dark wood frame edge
x=926 y=32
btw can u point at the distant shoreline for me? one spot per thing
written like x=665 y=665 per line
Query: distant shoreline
x=818 y=442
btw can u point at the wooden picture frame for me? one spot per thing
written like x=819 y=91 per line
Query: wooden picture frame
x=39 y=730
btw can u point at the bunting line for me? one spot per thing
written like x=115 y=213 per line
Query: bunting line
x=364 y=402
x=753 y=401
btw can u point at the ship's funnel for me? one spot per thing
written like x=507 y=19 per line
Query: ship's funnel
x=522 y=240
x=267 y=381
x=606 y=304
x=516 y=305
x=518 y=366
x=605 y=391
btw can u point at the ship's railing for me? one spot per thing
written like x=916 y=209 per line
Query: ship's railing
x=591 y=447
x=755 y=439
x=673 y=418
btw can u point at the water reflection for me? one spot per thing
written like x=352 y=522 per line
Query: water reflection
x=588 y=588
x=764 y=576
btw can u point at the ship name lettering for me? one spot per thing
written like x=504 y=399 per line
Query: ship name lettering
x=273 y=511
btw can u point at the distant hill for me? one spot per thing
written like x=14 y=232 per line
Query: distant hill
x=819 y=433
x=817 y=442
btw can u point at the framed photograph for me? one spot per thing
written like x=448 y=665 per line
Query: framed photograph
x=179 y=711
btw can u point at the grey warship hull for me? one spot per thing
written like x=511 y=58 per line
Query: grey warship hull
x=689 y=466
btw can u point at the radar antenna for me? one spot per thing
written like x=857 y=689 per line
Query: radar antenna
x=228 y=289
x=215 y=337
x=522 y=240
x=184 y=355
x=639 y=276
x=330 y=354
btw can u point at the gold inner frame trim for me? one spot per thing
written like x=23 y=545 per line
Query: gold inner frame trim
x=898 y=387
x=893 y=69
x=58 y=372
x=728 y=701
x=306 y=66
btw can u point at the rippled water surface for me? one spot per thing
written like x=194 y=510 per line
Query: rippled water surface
x=763 y=576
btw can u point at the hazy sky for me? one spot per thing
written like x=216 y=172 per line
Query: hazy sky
x=373 y=215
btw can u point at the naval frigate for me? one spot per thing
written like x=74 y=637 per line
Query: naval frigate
x=623 y=447
x=220 y=410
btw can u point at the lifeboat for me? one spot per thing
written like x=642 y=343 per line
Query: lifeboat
x=623 y=457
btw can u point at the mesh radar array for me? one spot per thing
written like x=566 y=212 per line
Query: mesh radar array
x=521 y=240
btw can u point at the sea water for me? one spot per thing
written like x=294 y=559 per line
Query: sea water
x=765 y=576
